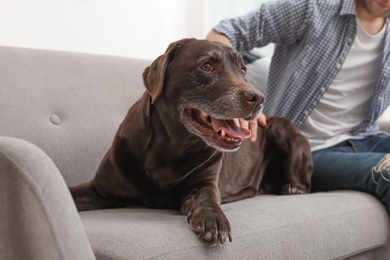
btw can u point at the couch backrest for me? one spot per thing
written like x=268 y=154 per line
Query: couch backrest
x=68 y=104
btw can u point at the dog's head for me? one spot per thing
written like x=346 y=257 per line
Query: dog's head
x=202 y=85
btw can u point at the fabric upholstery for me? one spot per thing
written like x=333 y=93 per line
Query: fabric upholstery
x=38 y=218
x=70 y=105
x=264 y=227
x=257 y=73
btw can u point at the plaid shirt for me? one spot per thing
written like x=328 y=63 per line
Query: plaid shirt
x=312 y=39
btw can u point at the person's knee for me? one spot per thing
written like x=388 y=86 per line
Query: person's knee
x=382 y=170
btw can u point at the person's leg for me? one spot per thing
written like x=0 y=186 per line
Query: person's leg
x=380 y=173
x=377 y=143
x=341 y=167
x=355 y=165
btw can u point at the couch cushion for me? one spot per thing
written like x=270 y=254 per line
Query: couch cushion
x=316 y=226
x=68 y=104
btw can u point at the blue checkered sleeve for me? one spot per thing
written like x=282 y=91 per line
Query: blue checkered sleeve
x=278 y=22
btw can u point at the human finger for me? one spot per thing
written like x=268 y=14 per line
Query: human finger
x=253 y=126
x=262 y=120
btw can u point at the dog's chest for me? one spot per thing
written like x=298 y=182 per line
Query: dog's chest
x=184 y=171
x=241 y=173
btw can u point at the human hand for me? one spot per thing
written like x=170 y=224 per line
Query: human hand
x=252 y=125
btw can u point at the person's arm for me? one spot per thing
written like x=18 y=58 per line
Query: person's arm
x=218 y=37
x=279 y=22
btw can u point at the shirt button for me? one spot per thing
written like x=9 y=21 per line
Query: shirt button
x=322 y=89
x=350 y=40
x=338 y=66
x=306 y=113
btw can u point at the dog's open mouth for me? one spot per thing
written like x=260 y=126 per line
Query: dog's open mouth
x=224 y=132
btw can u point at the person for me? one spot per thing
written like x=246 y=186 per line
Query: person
x=330 y=75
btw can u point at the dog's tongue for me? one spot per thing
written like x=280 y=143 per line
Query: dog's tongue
x=230 y=128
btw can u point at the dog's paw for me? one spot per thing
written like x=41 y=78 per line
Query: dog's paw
x=297 y=188
x=211 y=225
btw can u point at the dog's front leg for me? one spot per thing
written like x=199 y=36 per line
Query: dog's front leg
x=206 y=216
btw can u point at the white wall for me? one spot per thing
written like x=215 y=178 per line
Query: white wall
x=141 y=29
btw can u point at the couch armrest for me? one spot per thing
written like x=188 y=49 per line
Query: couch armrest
x=38 y=217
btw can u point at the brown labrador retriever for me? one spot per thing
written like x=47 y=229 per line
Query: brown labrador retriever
x=178 y=146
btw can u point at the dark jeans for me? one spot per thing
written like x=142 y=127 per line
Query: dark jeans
x=352 y=165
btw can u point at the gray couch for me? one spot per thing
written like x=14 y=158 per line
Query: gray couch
x=58 y=115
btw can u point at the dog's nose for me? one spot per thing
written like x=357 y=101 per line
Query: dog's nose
x=254 y=97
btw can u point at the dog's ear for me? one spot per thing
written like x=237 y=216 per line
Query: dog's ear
x=154 y=75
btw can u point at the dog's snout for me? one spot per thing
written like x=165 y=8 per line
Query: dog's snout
x=254 y=97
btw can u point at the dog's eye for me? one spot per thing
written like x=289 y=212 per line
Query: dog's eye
x=207 y=67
